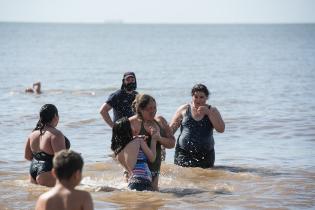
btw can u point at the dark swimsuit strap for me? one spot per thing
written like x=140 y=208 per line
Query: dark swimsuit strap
x=41 y=155
x=146 y=133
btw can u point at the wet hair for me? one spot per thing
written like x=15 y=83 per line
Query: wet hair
x=141 y=102
x=122 y=135
x=46 y=115
x=66 y=163
x=200 y=88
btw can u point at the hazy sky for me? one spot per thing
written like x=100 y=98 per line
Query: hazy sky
x=159 y=11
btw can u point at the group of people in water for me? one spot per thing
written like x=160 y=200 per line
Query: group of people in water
x=139 y=138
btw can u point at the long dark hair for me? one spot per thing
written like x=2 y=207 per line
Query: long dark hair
x=122 y=135
x=46 y=115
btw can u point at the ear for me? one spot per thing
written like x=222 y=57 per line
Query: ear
x=78 y=175
x=53 y=172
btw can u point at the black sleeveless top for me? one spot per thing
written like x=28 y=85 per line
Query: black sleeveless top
x=196 y=137
x=156 y=165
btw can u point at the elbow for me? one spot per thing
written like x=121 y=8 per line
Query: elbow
x=172 y=144
x=152 y=159
x=28 y=157
x=101 y=111
x=221 y=129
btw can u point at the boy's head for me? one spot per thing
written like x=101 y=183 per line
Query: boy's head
x=66 y=163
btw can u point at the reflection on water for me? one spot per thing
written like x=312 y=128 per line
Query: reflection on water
x=181 y=192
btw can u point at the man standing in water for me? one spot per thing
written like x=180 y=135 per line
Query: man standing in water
x=121 y=100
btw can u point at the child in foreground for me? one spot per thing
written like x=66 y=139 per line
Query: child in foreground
x=67 y=168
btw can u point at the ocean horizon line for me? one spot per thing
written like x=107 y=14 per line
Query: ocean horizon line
x=118 y=22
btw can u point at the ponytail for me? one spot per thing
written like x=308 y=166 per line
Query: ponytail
x=46 y=115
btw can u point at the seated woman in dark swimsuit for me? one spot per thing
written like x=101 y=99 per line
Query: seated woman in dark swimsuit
x=41 y=145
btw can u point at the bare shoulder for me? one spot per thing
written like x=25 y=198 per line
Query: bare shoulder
x=83 y=196
x=49 y=200
x=135 y=124
x=133 y=118
x=81 y=193
x=213 y=109
x=43 y=198
x=160 y=119
x=182 y=109
x=33 y=135
x=57 y=133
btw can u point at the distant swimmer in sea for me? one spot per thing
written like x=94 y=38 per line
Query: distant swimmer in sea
x=35 y=89
x=67 y=168
x=133 y=154
x=42 y=144
x=195 y=143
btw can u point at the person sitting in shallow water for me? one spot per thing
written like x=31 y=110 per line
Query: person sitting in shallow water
x=133 y=154
x=41 y=145
x=35 y=89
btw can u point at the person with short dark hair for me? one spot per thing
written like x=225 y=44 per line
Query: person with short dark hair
x=67 y=168
x=42 y=144
x=120 y=101
x=195 y=143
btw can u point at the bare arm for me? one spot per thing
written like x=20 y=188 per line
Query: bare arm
x=28 y=152
x=58 y=142
x=169 y=140
x=177 y=118
x=149 y=152
x=41 y=203
x=128 y=156
x=88 y=204
x=216 y=119
x=104 y=111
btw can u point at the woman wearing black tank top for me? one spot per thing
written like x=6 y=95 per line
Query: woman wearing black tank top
x=195 y=144
x=145 y=119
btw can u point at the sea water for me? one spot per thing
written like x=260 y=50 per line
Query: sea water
x=261 y=79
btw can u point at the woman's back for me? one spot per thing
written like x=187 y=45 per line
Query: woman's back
x=49 y=141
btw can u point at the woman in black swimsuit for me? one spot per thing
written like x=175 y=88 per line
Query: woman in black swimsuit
x=195 y=143
x=41 y=145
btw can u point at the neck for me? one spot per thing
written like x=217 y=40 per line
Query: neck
x=128 y=91
x=68 y=184
x=50 y=125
